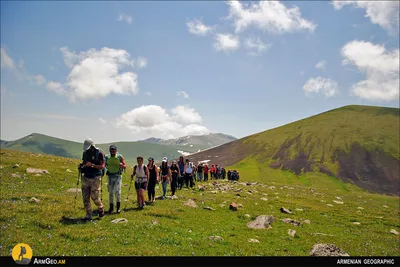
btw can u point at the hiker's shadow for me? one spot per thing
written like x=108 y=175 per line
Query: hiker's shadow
x=70 y=220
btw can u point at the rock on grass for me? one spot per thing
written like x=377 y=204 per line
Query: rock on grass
x=327 y=250
x=215 y=238
x=291 y=221
x=34 y=200
x=33 y=170
x=252 y=240
x=285 y=210
x=190 y=203
x=261 y=222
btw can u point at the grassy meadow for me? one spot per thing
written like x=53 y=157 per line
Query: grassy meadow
x=173 y=229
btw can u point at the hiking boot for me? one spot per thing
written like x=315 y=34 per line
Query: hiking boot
x=101 y=212
x=118 y=207
x=111 y=208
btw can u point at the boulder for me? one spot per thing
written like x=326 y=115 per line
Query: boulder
x=233 y=206
x=120 y=220
x=34 y=200
x=33 y=170
x=261 y=222
x=285 y=210
x=291 y=221
x=190 y=203
x=327 y=250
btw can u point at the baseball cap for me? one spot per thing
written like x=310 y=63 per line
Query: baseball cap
x=150 y=158
x=113 y=147
x=87 y=144
x=165 y=159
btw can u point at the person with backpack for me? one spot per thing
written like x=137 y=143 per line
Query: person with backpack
x=165 y=175
x=153 y=180
x=175 y=173
x=114 y=164
x=205 y=172
x=212 y=171
x=223 y=173
x=188 y=174
x=181 y=165
x=200 y=168
x=92 y=167
x=142 y=177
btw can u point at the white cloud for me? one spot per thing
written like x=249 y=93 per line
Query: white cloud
x=270 y=16
x=155 y=121
x=383 y=13
x=380 y=66
x=141 y=62
x=148 y=93
x=103 y=121
x=321 y=65
x=256 y=46
x=226 y=42
x=39 y=79
x=197 y=27
x=125 y=17
x=183 y=94
x=325 y=86
x=6 y=61
x=96 y=74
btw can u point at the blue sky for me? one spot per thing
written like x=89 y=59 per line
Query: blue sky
x=131 y=70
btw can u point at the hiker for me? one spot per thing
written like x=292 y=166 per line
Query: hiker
x=205 y=172
x=181 y=165
x=142 y=176
x=175 y=174
x=200 y=172
x=194 y=172
x=153 y=180
x=223 y=173
x=92 y=168
x=212 y=171
x=229 y=175
x=114 y=164
x=165 y=176
x=188 y=174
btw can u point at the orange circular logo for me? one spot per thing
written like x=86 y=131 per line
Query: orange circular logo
x=22 y=254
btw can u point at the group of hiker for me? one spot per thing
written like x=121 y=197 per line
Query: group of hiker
x=95 y=165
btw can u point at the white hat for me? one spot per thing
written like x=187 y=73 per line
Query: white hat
x=165 y=159
x=87 y=144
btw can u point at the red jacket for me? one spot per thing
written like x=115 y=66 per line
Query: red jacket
x=205 y=169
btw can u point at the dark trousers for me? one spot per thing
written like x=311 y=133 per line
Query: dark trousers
x=174 y=184
x=151 y=190
x=180 y=181
x=189 y=179
x=205 y=177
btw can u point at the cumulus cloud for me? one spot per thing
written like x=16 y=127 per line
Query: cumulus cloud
x=6 y=61
x=182 y=94
x=256 y=46
x=96 y=73
x=197 y=27
x=156 y=121
x=226 y=42
x=39 y=79
x=321 y=65
x=141 y=62
x=383 y=13
x=325 y=86
x=270 y=16
x=380 y=66
x=125 y=17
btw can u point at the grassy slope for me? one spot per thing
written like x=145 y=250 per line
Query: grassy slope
x=183 y=230
x=39 y=143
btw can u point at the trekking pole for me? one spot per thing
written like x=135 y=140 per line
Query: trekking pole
x=77 y=184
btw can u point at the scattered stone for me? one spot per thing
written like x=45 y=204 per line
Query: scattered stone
x=1 y=166
x=68 y=170
x=358 y=211
x=201 y=187
x=292 y=233
x=264 y=198
x=16 y=165
x=330 y=205
x=120 y=220
x=264 y=194
x=233 y=206
x=299 y=209
x=338 y=202
x=291 y=221
x=385 y=206
x=261 y=222
x=34 y=200
x=339 y=198
x=155 y=222
x=360 y=208
x=323 y=234
x=323 y=201
x=222 y=205
x=214 y=192
x=215 y=238
x=327 y=250
x=291 y=188
x=174 y=197
x=190 y=203
x=247 y=215
x=271 y=187
x=73 y=190
x=208 y=208
x=252 y=240
x=285 y=210
x=240 y=206
x=16 y=175
x=307 y=221
x=33 y=170
x=244 y=184
x=249 y=193
x=238 y=190
x=393 y=231
x=356 y=223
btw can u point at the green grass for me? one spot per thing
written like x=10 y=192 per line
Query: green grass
x=183 y=230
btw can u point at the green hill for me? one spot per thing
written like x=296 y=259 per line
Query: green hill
x=39 y=143
x=358 y=144
x=360 y=223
